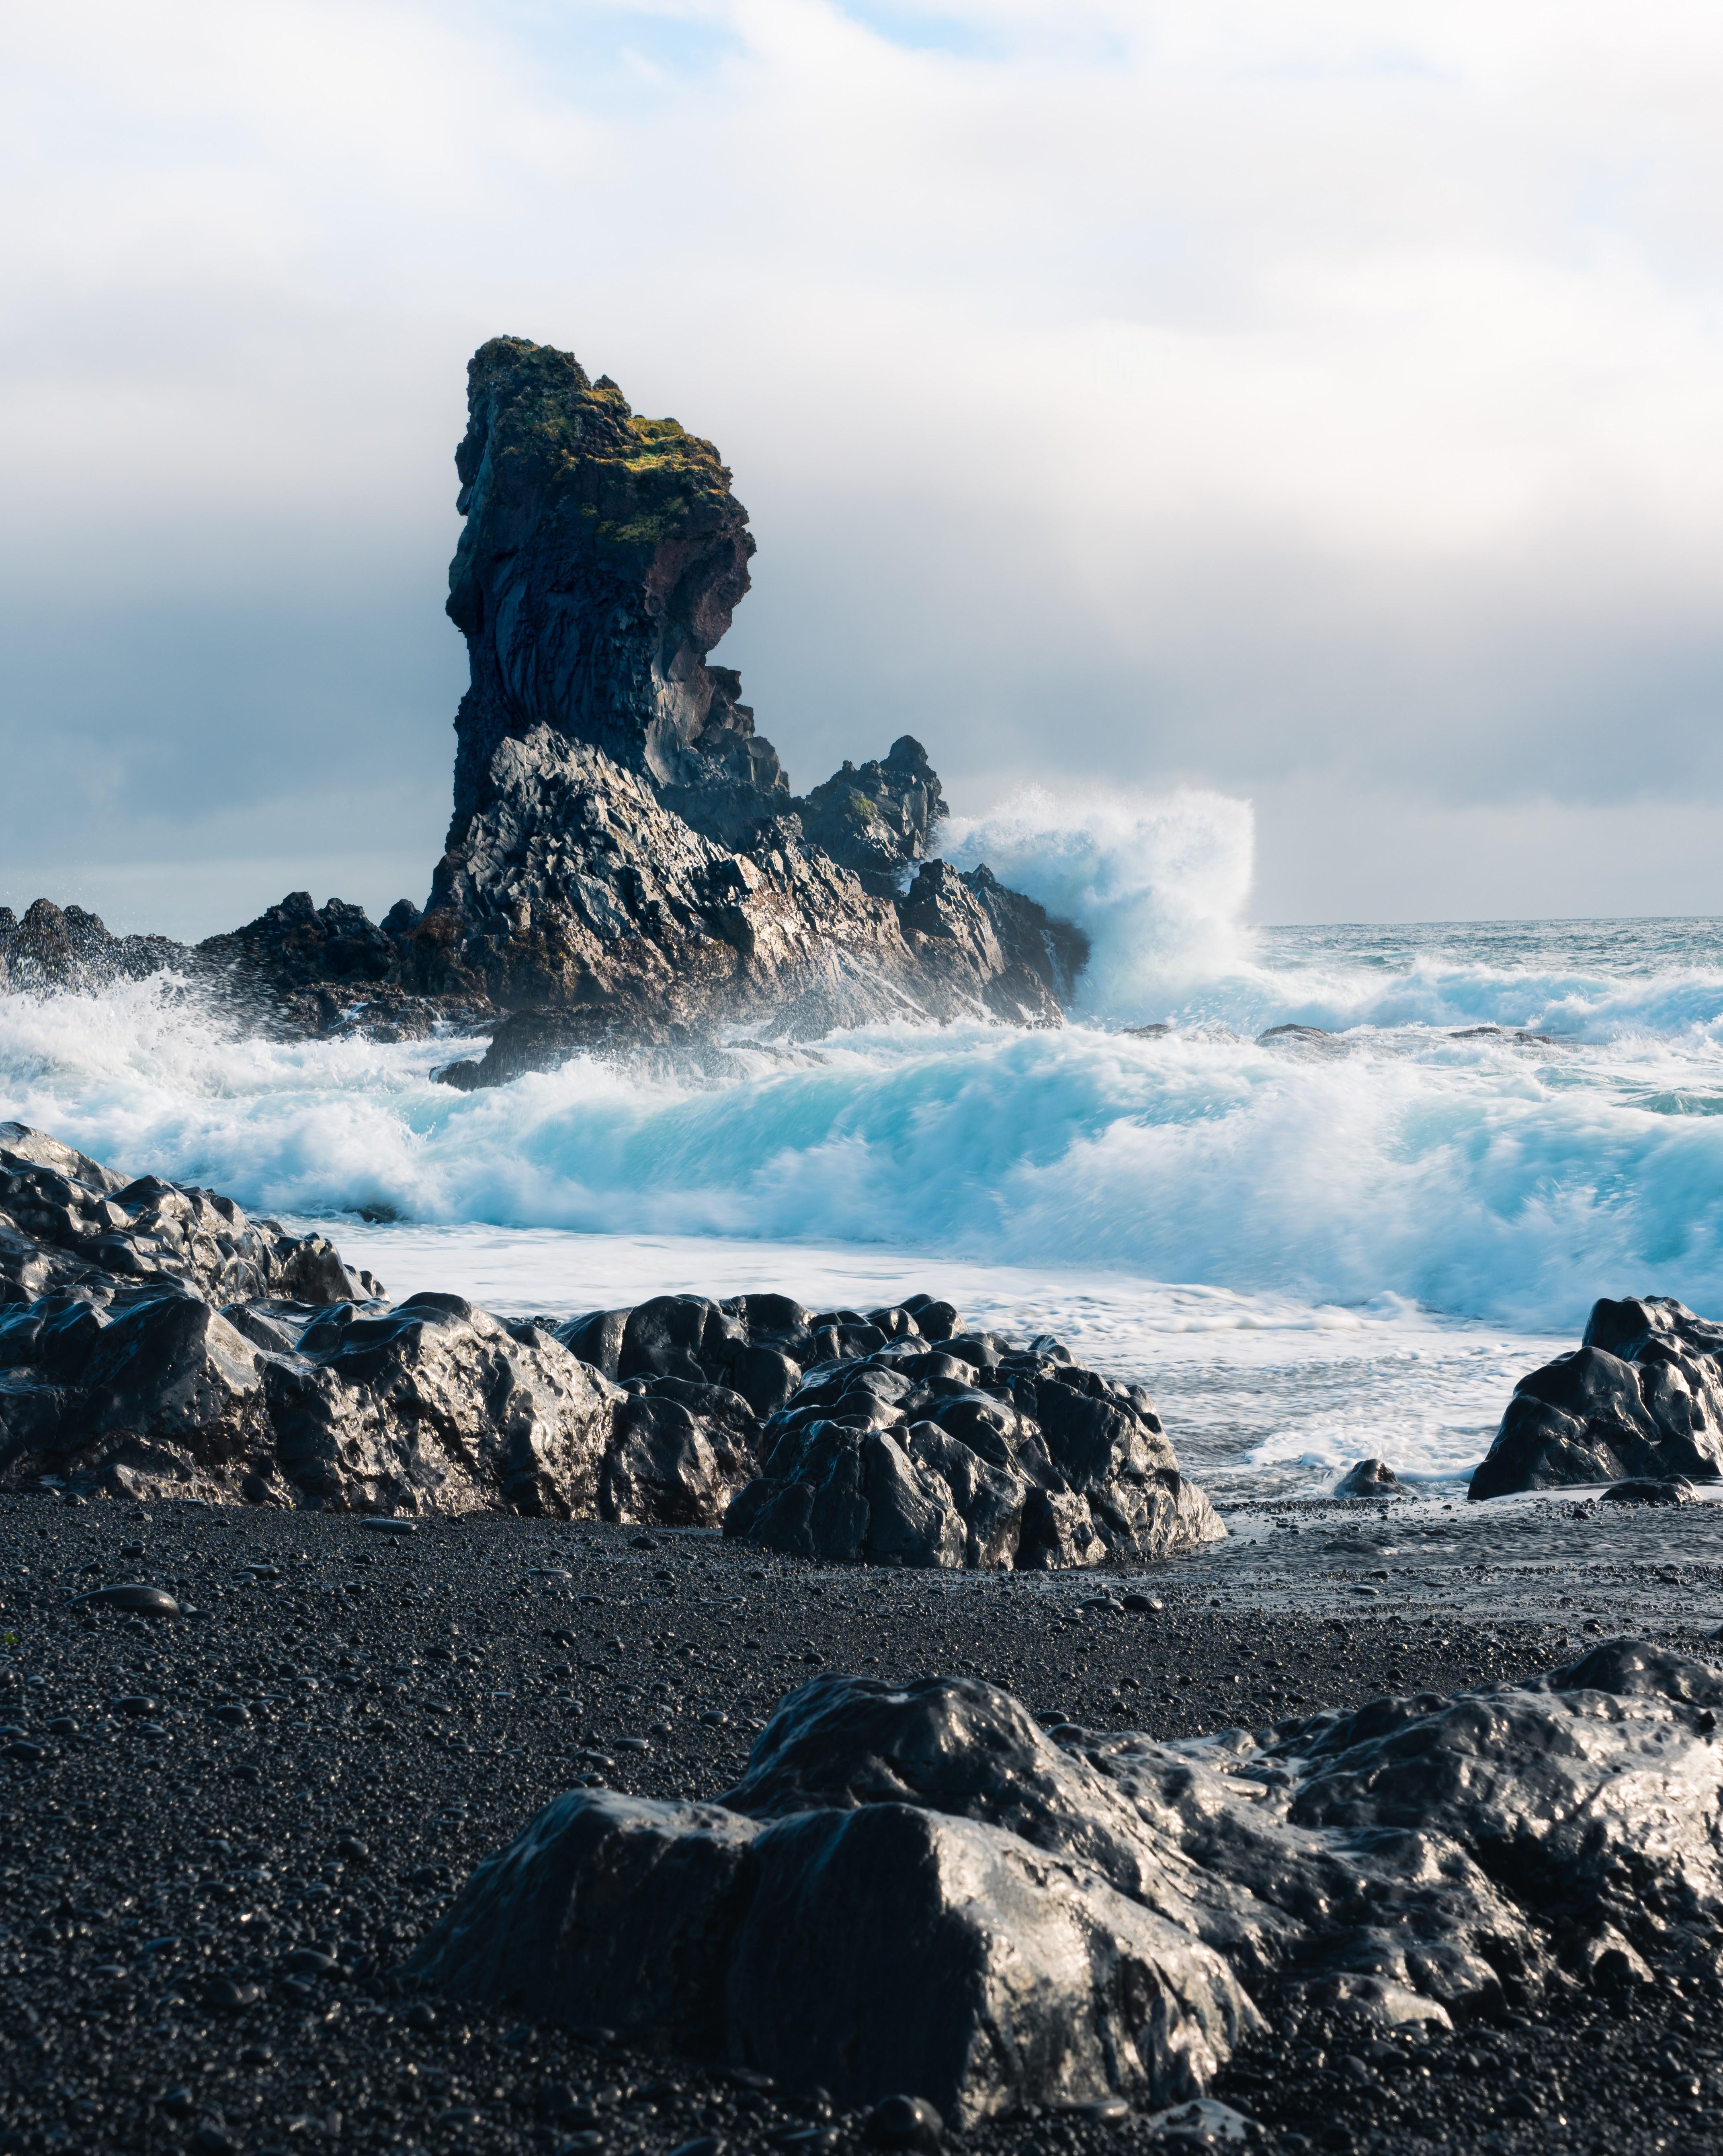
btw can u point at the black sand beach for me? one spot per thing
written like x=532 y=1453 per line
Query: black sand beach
x=225 y=1833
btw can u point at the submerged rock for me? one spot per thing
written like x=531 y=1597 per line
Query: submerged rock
x=915 y=1887
x=1641 y=1397
x=1370 y=1478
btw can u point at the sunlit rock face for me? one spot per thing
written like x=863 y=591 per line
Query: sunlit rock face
x=1640 y=1399
x=918 y=1888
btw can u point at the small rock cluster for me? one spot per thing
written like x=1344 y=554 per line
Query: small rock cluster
x=950 y=1448
x=916 y=1887
x=900 y=1438
x=55 y=947
x=1641 y=1398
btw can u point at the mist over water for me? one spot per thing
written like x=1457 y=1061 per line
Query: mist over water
x=1323 y=1245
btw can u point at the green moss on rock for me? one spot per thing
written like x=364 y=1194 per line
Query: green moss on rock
x=545 y=424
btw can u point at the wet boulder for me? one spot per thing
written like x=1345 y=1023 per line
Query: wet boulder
x=433 y=1402
x=142 y=1381
x=1676 y=1489
x=680 y=1451
x=911 y=1519
x=1370 y=1478
x=819 y=1508
x=969 y=1450
x=861 y=1949
x=989 y=1499
x=749 y=1345
x=1641 y=1397
x=153 y=1339
x=915 y=1887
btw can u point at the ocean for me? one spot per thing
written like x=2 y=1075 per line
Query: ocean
x=1311 y=1248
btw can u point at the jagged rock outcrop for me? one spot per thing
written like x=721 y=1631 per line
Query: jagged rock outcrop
x=1641 y=1398
x=915 y=1887
x=573 y=897
x=623 y=862
x=879 y=820
x=332 y=969
x=65 y=947
x=68 y=1224
x=602 y=559
x=153 y=1338
x=573 y=891
x=900 y=1437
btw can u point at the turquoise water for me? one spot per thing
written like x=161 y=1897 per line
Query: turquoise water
x=1322 y=1244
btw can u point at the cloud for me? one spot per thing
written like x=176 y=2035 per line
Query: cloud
x=1312 y=401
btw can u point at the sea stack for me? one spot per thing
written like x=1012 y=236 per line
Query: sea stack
x=627 y=863
x=627 y=867
x=602 y=559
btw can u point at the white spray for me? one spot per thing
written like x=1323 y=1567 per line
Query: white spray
x=1159 y=886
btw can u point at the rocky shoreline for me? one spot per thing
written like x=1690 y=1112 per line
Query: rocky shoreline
x=155 y=1342
x=815 y=1617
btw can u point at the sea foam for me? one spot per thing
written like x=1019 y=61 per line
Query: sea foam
x=1474 y=1176
x=1408 y=1155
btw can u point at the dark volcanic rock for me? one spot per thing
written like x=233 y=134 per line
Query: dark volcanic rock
x=571 y=893
x=602 y=559
x=914 y=1887
x=68 y=1224
x=879 y=819
x=56 y=948
x=1641 y=1397
x=331 y=969
x=894 y=1438
x=864 y=1949
x=573 y=897
x=1676 y=1490
x=434 y=1405
x=151 y=1337
x=968 y=1452
x=624 y=864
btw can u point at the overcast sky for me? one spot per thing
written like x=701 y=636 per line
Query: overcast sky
x=1317 y=402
